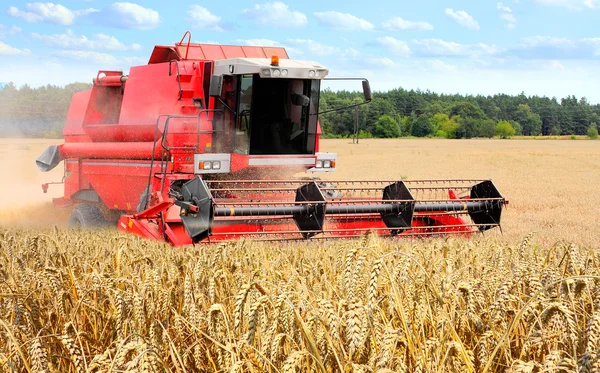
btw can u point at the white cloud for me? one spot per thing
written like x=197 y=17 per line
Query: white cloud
x=7 y=50
x=5 y=31
x=48 y=12
x=126 y=15
x=276 y=14
x=343 y=21
x=351 y=53
x=442 y=48
x=380 y=62
x=438 y=47
x=551 y=48
x=96 y=60
x=104 y=59
x=463 y=18
x=258 y=42
x=572 y=4
x=70 y=40
x=398 y=23
x=201 y=18
x=438 y=65
x=537 y=41
x=133 y=61
x=312 y=47
x=594 y=44
x=556 y=65
x=507 y=15
x=394 y=45
x=503 y=8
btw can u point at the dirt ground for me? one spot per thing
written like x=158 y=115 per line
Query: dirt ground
x=22 y=202
x=552 y=185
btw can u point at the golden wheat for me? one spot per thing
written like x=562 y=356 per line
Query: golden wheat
x=80 y=302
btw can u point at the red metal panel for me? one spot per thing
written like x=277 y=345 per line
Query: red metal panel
x=151 y=92
x=72 y=130
x=107 y=150
x=231 y=51
x=122 y=132
x=118 y=183
x=213 y=52
x=275 y=51
x=164 y=54
x=253 y=52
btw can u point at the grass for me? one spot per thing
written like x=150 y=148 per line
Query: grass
x=513 y=302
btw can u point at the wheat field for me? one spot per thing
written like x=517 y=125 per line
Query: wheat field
x=527 y=300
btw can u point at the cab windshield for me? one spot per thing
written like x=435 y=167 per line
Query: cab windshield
x=268 y=115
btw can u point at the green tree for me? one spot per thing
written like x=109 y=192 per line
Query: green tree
x=504 y=130
x=487 y=128
x=443 y=126
x=421 y=126
x=405 y=124
x=468 y=127
x=592 y=132
x=516 y=126
x=386 y=127
x=531 y=123
x=379 y=107
x=466 y=109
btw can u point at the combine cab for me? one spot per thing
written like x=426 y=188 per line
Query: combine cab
x=173 y=150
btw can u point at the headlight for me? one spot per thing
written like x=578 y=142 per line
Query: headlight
x=319 y=164
x=284 y=72
x=277 y=72
x=266 y=72
x=216 y=165
x=317 y=73
x=311 y=74
x=326 y=164
x=205 y=165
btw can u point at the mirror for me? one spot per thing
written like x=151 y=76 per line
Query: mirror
x=216 y=86
x=367 y=90
x=367 y=94
x=300 y=100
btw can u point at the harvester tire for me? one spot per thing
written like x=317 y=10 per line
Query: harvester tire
x=87 y=216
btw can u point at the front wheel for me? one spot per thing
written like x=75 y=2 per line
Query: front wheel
x=87 y=216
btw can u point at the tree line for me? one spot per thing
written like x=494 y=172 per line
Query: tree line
x=35 y=112
x=401 y=112
x=41 y=112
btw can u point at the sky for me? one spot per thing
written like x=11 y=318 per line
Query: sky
x=539 y=47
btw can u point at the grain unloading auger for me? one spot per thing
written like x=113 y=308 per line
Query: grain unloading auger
x=171 y=150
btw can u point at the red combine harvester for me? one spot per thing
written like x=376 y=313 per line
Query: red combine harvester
x=173 y=150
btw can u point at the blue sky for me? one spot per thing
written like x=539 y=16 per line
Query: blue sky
x=544 y=47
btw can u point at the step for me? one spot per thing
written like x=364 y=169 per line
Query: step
x=185 y=78
x=187 y=108
x=187 y=93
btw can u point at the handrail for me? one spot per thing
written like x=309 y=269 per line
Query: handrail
x=189 y=35
x=178 y=77
x=164 y=141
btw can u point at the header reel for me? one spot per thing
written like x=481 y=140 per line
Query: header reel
x=234 y=209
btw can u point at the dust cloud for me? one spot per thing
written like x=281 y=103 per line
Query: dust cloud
x=22 y=201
